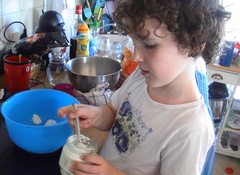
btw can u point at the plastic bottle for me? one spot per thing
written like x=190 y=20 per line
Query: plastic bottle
x=94 y=33
x=83 y=40
x=78 y=20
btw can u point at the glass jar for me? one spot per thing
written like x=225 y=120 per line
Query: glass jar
x=72 y=151
x=56 y=69
x=116 y=51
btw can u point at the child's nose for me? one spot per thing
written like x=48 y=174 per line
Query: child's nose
x=137 y=55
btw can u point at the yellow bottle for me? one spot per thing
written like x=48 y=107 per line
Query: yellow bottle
x=83 y=39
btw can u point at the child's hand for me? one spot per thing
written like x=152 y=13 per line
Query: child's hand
x=88 y=115
x=98 y=166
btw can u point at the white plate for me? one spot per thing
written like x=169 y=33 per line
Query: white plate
x=234 y=123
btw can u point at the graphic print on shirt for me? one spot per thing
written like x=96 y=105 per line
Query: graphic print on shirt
x=128 y=130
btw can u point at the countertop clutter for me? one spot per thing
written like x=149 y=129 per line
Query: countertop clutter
x=16 y=161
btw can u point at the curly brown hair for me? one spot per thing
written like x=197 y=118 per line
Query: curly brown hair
x=192 y=22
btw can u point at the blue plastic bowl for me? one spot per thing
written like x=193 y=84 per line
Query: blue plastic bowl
x=18 y=111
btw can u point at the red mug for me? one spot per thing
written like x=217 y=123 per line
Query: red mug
x=17 y=69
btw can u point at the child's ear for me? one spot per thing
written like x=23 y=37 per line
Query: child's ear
x=203 y=46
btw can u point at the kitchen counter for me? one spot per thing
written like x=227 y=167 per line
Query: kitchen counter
x=232 y=68
x=16 y=161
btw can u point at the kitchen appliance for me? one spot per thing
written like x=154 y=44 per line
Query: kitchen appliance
x=218 y=107
x=50 y=21
x=218 y=90
x=218 y=100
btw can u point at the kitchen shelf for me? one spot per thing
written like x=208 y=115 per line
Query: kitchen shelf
x=227 y=151
x=231 y=128
x=226 y=75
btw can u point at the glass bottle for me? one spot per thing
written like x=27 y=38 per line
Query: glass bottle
x=78 y=20
x=72 y=151
x=56 y=69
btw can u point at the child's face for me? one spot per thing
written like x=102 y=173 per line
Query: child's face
x=159 y=58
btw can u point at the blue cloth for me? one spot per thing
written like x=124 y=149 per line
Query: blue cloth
x=202 y=83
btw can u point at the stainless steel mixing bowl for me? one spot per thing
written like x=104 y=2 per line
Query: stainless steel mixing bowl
x=218 y=106
x=86 y=73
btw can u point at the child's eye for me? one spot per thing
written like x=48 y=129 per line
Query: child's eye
x=150 y=46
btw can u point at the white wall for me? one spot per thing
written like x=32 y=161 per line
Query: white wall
x=26 y=11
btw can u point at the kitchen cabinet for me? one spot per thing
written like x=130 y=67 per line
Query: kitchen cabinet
x=227 y=143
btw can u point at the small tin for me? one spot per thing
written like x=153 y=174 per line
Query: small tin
x=72 y=151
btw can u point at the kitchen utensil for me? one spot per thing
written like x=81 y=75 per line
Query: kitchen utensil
x=96 y=5
x=86 y=73
x=80 y=143
x=99 y=13
x=100 y=3
x=17 y=73
x=87 y=11
x=77 y=127
x=34 y=138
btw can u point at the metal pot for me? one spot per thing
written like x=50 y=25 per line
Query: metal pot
x=86 y=73
x=218 y=106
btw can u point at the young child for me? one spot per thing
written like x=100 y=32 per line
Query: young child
x=158 y=121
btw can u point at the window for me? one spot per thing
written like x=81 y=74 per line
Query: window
x=233 y=25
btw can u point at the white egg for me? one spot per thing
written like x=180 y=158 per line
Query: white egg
x=50 y=122
x=36 y=119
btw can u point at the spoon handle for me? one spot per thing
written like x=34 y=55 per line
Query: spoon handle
x=77 y=127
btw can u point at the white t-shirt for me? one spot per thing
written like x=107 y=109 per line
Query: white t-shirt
x=150 y=138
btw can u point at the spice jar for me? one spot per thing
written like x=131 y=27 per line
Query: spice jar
x=73 y=151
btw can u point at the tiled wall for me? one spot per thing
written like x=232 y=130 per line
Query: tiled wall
x=26 y=11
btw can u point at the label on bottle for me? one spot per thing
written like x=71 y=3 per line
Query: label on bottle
x=82 y=45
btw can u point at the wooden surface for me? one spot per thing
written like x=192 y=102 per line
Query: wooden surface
x=232 y=67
